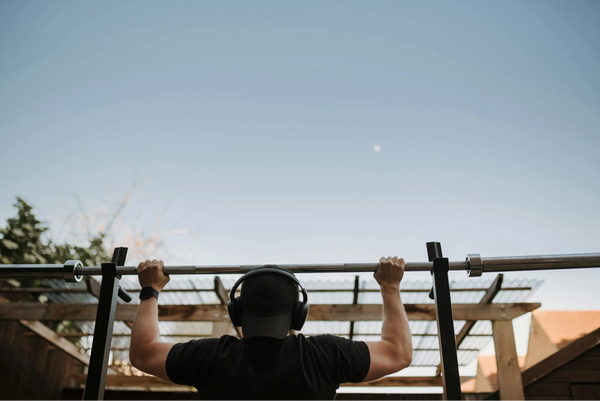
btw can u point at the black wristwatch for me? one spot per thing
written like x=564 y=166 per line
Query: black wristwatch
x=148 y=292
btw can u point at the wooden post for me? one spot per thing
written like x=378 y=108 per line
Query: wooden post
x=220 y=328
x=510 y=383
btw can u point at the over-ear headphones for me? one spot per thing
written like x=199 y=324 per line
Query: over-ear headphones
x=299 y=313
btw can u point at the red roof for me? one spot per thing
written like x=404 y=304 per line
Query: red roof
x=564 y=327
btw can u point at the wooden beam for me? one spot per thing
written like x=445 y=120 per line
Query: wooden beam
x=93 y=286
x=212 y=313
x=487 y=298
x=129 y=381
x=220 y=290
x=414 y=349
x=510 y=383
x=192 y=335
x=38 y=290
x=72 y=311
x=223 y=327
x=43 y=331
x=406 y=381
x=205 y=335
x=373 y=312
x=151 y=381
x=220 y=329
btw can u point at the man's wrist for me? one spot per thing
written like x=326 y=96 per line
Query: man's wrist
x=148 y=293
x=395 y=287
x=157 y=287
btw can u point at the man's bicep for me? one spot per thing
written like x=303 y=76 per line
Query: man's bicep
x=384 y=361
x=155 y=360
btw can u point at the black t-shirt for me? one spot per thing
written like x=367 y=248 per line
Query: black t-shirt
x=296 y=367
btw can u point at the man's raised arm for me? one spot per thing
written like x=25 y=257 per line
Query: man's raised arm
x=147 y=352
x=394 y=351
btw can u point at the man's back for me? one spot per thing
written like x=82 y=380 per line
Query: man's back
x=295 y=367
x=265 y=363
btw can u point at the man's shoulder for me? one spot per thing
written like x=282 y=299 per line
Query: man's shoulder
x=206 y=343
x=327 y=339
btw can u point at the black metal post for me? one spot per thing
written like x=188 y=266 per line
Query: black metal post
x=105 y=319
x=445 y=322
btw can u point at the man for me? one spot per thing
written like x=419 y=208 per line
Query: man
x=267 y=363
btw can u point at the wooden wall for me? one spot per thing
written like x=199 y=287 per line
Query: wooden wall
x=578 y=379
x=540 y=347
x=31 y=367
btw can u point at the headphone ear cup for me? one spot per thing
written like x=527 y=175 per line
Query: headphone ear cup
x=234 y=312
x=299 y=315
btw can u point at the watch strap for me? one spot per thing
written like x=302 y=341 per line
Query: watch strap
x=148 y=292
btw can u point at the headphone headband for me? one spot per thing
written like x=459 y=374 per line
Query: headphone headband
x=299 y=312
x=264 y=270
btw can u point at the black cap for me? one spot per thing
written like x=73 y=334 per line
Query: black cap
x=267 y=301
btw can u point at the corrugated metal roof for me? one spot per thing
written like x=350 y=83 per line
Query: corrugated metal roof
x=194 y=290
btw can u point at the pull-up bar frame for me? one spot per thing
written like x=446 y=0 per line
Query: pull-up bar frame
x=474 y=265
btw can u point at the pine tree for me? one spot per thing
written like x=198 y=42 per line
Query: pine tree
x=23 y=242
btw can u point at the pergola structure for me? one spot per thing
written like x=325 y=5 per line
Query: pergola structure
x=194 y=307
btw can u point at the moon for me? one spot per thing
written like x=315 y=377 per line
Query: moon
x=377 y=148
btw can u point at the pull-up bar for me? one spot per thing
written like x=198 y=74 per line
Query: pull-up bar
x=474 y=265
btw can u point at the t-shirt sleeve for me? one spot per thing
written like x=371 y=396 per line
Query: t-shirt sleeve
x=185 y=360
x=351 y=359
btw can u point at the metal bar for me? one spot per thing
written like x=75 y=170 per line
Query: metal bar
x=489 y=265
x=445 y=322
x=85 y=291
x=354 y=302
x=105 y=319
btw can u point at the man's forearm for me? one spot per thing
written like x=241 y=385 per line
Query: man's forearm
x=395 y=328
x=145 y=327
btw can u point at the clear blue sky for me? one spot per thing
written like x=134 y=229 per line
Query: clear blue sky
x=253 y=125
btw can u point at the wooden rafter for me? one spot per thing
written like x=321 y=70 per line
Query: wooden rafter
x=510 y=383
x=354 y=302
x=151 y=381
x=361 y=312
x=204 y=335
x=414 y=349
x=93 y=286
x=222 y=327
